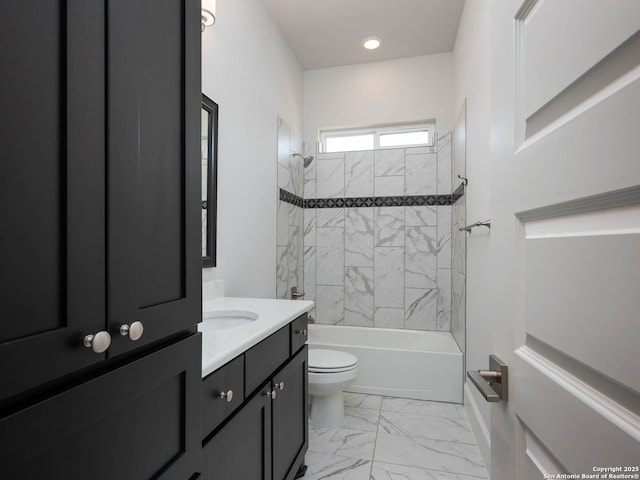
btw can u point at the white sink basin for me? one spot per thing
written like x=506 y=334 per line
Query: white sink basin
x=224 y=319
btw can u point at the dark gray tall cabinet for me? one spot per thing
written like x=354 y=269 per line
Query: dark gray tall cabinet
x=100 y=219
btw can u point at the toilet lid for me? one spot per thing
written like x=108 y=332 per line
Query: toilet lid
x=331 y=361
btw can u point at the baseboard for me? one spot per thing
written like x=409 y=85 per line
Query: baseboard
x=480 y=430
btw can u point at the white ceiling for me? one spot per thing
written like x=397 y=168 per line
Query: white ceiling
x=328 y=33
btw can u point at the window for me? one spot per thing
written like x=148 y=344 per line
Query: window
x=377 y=137
x=349 y=143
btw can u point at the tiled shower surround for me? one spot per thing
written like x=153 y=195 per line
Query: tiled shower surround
x=459 y=243
x=377 y=253
x=458 y=272
x=289 y=229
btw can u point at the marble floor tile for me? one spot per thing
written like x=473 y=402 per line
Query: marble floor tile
x=430 y=454
x=425 y=426
x=361 y=419
x=361 y=400
x=342 y=441
x=388 y=471
x=322 y=466
x=421 y=407
x=387 y=438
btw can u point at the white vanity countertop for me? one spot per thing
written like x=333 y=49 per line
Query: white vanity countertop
x=221 y=346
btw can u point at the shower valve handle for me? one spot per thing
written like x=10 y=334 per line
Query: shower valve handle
x=295 y=293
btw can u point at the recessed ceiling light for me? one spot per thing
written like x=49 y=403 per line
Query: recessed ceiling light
x=371 y=43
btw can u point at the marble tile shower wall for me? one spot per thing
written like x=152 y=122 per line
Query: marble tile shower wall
x=289 y=229
x=380 y=266
x=458 y=273
x=459 y=239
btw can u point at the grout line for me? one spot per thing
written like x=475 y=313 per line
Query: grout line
x=375 y=442
x=344 y=240
x=404 y=256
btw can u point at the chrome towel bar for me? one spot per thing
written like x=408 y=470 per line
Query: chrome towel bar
x=486 y=223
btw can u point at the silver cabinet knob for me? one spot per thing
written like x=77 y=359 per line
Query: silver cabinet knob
x=133 y=331
x=228 y=395
x=280 y=385
x=98 y=342
x=271 y=394
x=302 y=332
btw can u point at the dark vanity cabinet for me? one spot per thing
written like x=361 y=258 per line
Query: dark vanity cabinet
x=264 y=436
x=100 y=244
x=289 y=417
x=134 y=422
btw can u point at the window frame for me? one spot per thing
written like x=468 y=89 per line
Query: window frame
x=377 y=132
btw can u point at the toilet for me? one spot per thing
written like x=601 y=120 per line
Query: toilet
x=330 y=371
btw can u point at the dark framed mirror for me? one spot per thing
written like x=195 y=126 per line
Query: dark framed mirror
x=209 y=180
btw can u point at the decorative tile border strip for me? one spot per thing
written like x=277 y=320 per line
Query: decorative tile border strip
x=399 y=201
x=291 y=198
x=458 y=194
x=350 y=202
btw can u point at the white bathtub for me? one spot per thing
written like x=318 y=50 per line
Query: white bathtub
x=398 y=363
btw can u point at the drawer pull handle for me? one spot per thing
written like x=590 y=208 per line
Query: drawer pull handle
x=271 y=394
x=133 y=331
x=280 y=385
x=302 y=332
x=98 y=342
x=228 y=395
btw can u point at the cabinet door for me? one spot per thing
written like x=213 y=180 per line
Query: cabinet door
x=154 y=225
x=52 y=174
x=136 y=422
x=242 y=448
x=290 y=425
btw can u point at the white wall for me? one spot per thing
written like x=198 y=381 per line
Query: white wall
x=253 y=75
x=471 y=71
x=404 y=90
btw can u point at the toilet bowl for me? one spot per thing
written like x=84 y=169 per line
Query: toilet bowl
x=330 y=371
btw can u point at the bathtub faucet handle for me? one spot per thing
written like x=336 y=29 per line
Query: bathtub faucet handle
x=295 y=293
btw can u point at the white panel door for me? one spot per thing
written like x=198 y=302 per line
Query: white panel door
x=565 y=236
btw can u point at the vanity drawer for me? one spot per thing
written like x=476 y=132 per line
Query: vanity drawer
x=299 y=333
x=263 y=359
x=215 y=408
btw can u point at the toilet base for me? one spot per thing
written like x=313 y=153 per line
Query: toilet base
x=327 y=410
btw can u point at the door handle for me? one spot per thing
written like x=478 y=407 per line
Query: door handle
x=492 y=383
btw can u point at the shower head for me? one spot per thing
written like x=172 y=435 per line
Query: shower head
x=307 y=160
